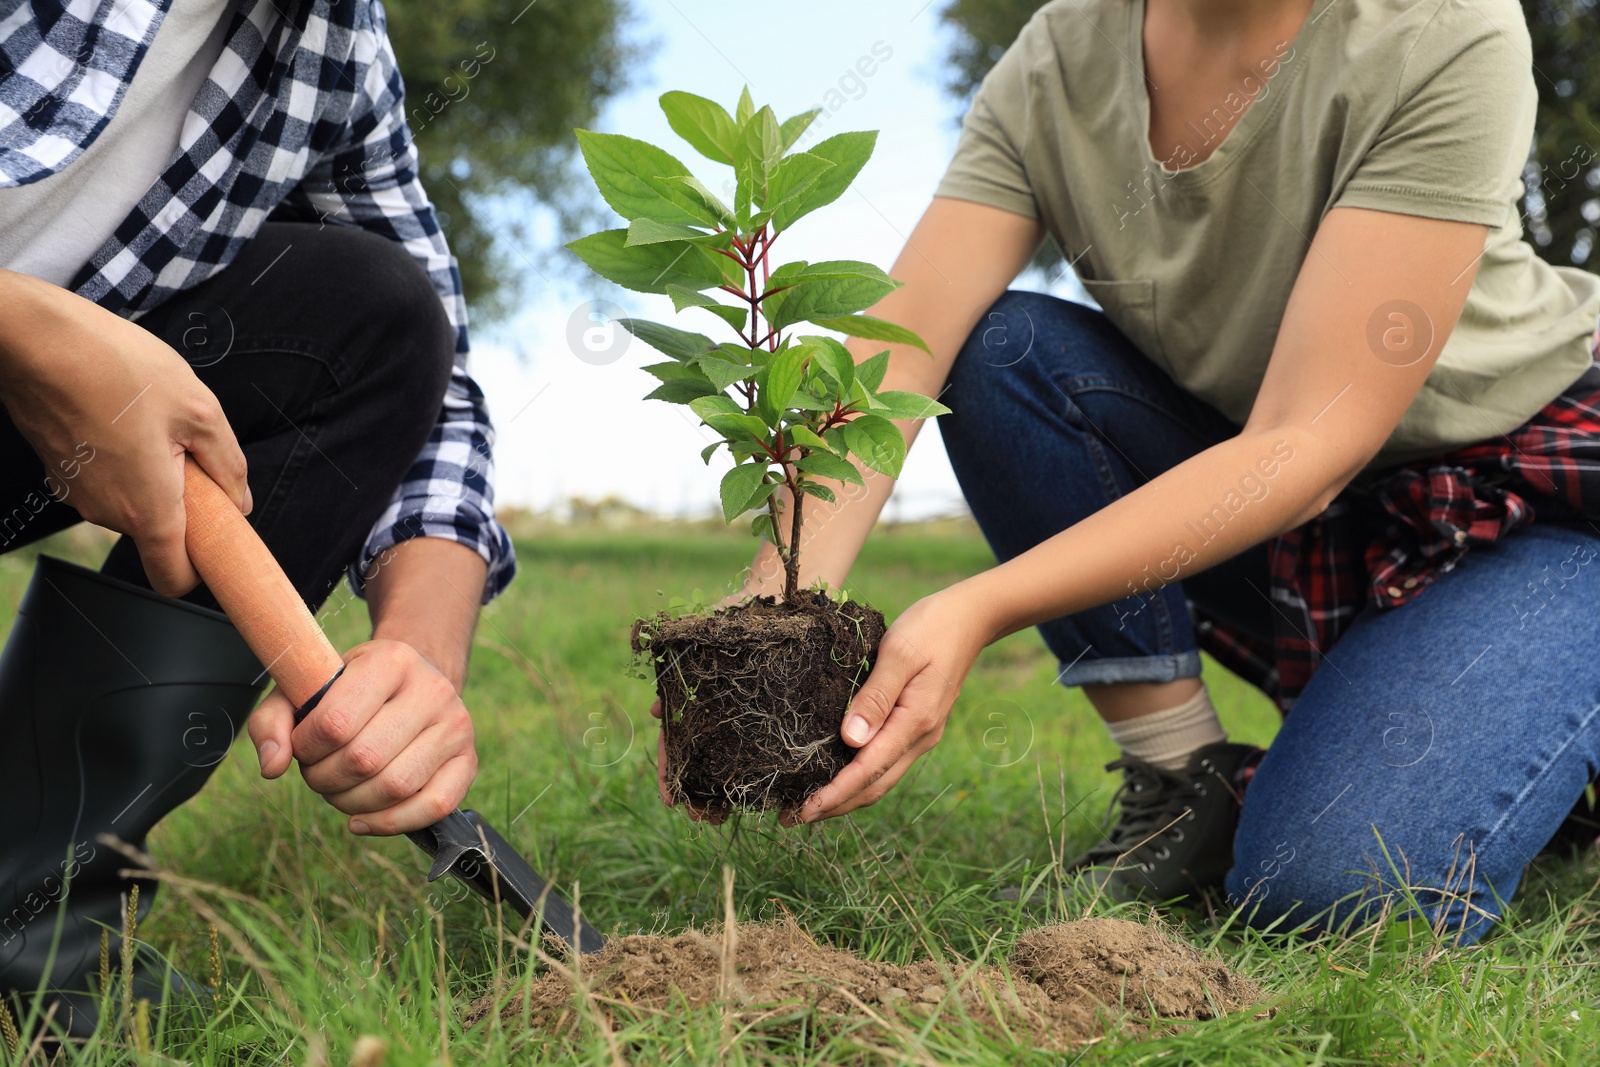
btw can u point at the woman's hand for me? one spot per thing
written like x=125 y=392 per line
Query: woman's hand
x=900 y=711
x=80 y=382
x=391 y=745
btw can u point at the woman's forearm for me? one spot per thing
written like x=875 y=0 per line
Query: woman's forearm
x=1215 y=505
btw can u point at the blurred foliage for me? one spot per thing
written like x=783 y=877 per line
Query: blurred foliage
x=494 y=89
x=1562 y=209
x=1563 y=206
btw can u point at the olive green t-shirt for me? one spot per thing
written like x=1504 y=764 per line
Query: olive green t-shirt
x=1418 y=108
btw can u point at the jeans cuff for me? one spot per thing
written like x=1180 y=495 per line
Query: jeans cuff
x=1130 y=669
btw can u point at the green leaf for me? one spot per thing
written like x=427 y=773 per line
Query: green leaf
x=782 y=379
x=821 y=492
x=745 y=108
x=754 y=357
x=899 y=405
x=877 y=442
x=859 y=398
x=804 y=401
x=679 y=344
x=762 y=148
x=801 y=435
x=873 y=330
x=834 y=360
x=632 y=177
x=822 y=291
x=705 y=124
x=761 y=526
x=647 y=268
x=743 y=488
x=671 y=372
x=710 y=450
x=643 y=231
x=735 y=317
x=742 y=431
x=744 y=190
x=727 y=418
x=733 y=275
x=682 y=390
x=687 y=298
x=870 y=372
x=848 y=152
x=790 y=179
x=794 y=127
x=715 y=405
x=722 y=371
x=828 y=465
x=707 y=204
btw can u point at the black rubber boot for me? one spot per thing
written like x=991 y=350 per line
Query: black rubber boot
x=115 y=706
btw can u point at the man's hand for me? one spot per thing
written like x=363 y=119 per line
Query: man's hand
x=390 y=745
x=73 y=373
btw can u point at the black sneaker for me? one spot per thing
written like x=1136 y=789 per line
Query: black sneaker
x=1173 y=836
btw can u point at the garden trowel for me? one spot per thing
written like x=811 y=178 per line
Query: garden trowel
x=262 y=604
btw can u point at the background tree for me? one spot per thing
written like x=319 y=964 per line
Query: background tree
x=494 y=89
x=1563 y=203
x=1562 y=208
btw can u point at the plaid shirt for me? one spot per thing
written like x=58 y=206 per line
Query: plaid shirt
x=302 y=117
x=1380 y=546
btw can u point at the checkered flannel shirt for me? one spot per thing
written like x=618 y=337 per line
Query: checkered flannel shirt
x=1381 y=544
x=302 y=117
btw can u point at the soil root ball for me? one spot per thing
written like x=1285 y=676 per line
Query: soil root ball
x=753 y=696
x=1067 y=984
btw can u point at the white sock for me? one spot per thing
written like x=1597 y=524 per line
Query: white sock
x=1168 y=738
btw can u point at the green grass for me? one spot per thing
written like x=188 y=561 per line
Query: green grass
x=568 y=775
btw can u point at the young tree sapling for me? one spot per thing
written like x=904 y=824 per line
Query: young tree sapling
x=792 y=408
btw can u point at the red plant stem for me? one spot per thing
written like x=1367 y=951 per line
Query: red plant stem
x=840 y=416
x=770 y=292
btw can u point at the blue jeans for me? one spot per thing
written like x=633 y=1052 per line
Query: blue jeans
x=1440 y=744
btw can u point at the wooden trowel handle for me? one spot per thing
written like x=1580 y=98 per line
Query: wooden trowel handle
x=253 y=590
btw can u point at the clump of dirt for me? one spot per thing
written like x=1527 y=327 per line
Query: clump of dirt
x=1067 y=985
x=752 y=696
x=1116 y=962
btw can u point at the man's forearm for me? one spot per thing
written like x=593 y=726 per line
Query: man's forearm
x=25 y=316
x=425 y=592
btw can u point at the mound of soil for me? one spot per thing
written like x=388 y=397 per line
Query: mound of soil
x=1116 y=962
x=752 y=696
x=1068 y=984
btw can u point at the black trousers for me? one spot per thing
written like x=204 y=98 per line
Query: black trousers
x=330 y=353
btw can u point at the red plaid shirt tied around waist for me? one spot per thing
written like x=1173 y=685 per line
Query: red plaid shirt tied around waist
x=1380 y=546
